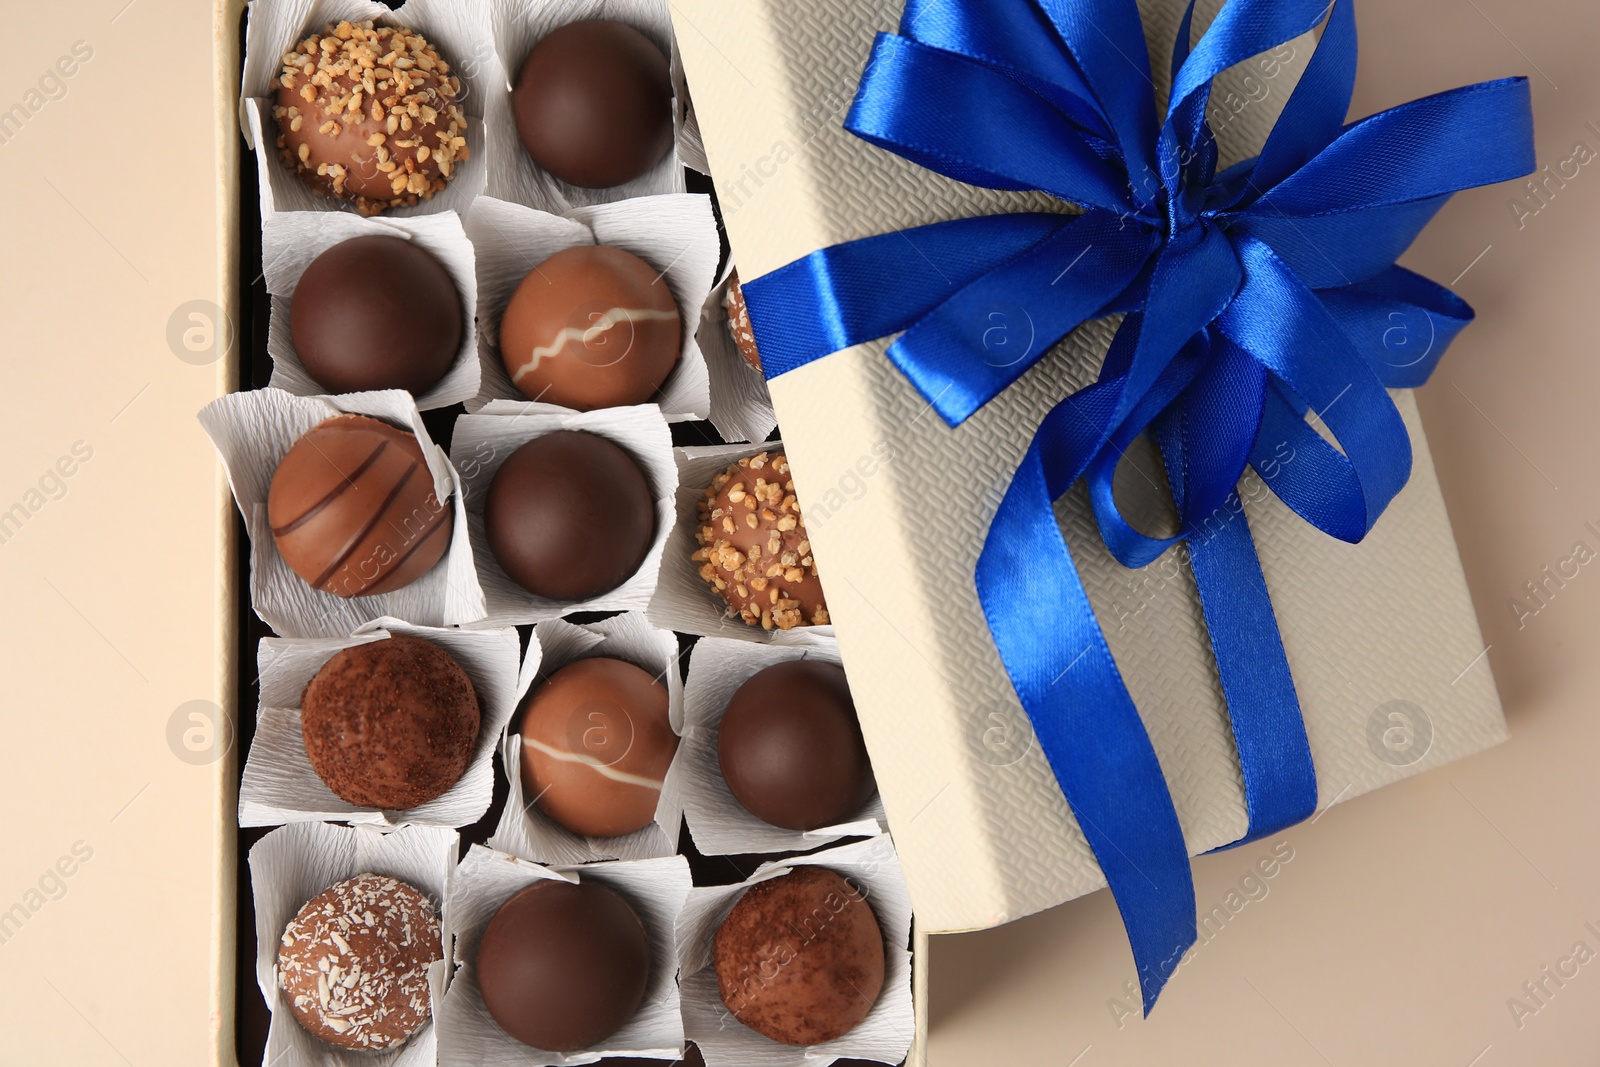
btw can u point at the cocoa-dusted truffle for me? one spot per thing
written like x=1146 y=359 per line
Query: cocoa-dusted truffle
x=753 y=546
x=593 y=103
x=591 y=327
x=800 y=957
x=353 y=963
x=390 y=724
x=596 y=745
x=739 y=328
x=376 y=312
x=569 y=515
x=368 y=114
x=562 y=967
x=791 y=749
x=353 y=511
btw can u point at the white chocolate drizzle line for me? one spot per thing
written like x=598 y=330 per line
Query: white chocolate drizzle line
x=606 y=321
x=603 y=769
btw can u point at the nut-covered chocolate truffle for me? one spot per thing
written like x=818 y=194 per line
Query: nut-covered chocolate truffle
x=593 y=104
x=800 y=957
x=791 y=749
x=353 y=511
x=596 y=745
x=368 y=114
x=354 y=962
x=390 y=724
x=591 y=327
x=753 y=546
x=569 y=515
x=376 y=312
x=739 y=328
x=562 y=967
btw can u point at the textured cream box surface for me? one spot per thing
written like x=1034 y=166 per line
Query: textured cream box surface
x=1380 y=636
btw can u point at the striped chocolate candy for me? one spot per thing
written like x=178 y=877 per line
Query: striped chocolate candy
x=353 y=510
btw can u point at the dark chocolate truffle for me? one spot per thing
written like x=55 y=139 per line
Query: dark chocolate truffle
x=375 y=312
x=800 y=957
x=562 y=967
x=753 y=546
x=353 y=511
x=739 y=328
x=596 y=745
x=591 y=327
x=791 y=749
x=390 y=724
x=593 y=104
x=369 y=114
x=569 y=515
x=354 y=962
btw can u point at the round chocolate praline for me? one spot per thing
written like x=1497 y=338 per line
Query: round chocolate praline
x=562 y=967
x=596 y=744
x=353 y=509
x=739 y=326
x=390 y=724
x=369 y=114
x=591 y=327
x=353 y=963
x=791 y=749
x=831 y=946
x=593 y=103
x=569 y=515
x=375 y=312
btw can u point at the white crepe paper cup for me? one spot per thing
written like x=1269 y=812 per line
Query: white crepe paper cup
x=741 y=408
x=675 y=234
x=885 y=1034
x=279 y=784
x=290 y=241
x=293 y=864
x=486 y=879
x=253 y=431
x=526 y=831
x=482 y=442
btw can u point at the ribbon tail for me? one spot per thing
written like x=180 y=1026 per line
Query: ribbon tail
x=1086 y=722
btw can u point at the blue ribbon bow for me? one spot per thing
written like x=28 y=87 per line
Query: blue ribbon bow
x=1252 y=298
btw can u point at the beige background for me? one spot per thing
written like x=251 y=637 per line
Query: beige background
x=1407 y=918
x=1395 y=935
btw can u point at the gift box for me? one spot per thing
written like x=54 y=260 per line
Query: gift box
x=1379 y=636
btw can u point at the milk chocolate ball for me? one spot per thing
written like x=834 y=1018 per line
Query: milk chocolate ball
x=376 y=312
x=754 y=550
x=562 y=967
x=390 y=724
x=593 y=103
x=791 y=749
x=368 y=114
x=596 y=744
x=353 y=963
x=831 y=948
x=353 y=511
x=591 y=327
x=569 y=515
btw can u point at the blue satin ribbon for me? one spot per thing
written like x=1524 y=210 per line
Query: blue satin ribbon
x=1254 y=299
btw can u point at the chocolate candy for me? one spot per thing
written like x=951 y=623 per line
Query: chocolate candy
x=753 y=546
x=800 y=957
x=368 y=114
x=390 y=724
x=375 y=312
x=591 y=327
x=593 y=104
x=739 y=328
x=353 y=511
x=596 y=744
x=791 y=749
x=569 y=516
x=562 y=967
x=353 y=964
